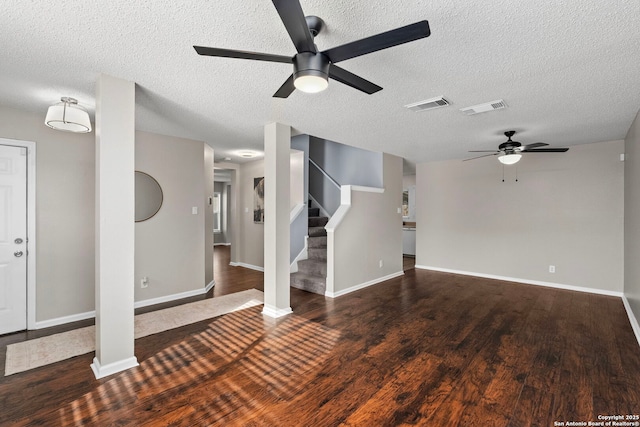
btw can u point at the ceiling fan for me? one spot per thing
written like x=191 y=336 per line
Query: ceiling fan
x=312 y=68
x=511 y=151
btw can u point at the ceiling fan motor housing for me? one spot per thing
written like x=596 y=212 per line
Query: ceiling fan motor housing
x=509 y=146
x=310 y=64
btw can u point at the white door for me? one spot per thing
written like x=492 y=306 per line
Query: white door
x=13 y=236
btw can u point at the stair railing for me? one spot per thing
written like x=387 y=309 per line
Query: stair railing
x=325 y=190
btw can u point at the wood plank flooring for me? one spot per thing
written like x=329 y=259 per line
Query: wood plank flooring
x=428 y=348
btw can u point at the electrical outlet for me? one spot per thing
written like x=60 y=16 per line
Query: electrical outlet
x=552 y=269
x=144 y=282
x=380 y=263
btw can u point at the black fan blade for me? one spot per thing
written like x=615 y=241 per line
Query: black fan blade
x=240 y=54
x=534 y=145
x=293 y=19
x=479 y=157
x=350 y=79
x=378 y=42
x=286 y=89
x=546 y=150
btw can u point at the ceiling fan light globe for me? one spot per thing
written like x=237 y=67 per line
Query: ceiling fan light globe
x=509 y=159
x=311 y=83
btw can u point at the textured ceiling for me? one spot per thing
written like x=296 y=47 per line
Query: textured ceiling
x=569 y=71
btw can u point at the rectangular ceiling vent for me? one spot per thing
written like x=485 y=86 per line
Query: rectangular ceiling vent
x=428 y=104
x=483 y=108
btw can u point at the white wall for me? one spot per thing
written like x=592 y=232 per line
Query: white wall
x=170 y=247
x=221 y=236
x=566 y=210
x=65 y=203
x=632 y=218
x=370 y=232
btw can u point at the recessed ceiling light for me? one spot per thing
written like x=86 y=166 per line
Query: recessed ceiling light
x=226 y=159
x=247 y=154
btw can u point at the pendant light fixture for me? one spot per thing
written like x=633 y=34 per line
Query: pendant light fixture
x=68 y=116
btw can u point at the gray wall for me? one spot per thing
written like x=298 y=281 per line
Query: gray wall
x=370 y=232
x=251 y=238
x=345 y=164
x=65 y=200
x=632 y=218
x=566 y=210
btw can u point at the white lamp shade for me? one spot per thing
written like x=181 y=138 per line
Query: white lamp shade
x=68 y=117
x=509 y=159
x=311 y=83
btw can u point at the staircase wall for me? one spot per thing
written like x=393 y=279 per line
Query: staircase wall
x=344 y=164
x=369 y=232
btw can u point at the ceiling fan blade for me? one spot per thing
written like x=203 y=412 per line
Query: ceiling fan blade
x=293 y=19
x=484 y=151
x=350 y=79
x=479 y=157
x=534 y=145
x=286 y=89
x=240 y=54
x=378 y=42
x=546 y=150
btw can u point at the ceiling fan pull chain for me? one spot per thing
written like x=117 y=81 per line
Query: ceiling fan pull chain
x=516 y=173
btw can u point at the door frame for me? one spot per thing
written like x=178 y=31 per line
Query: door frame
x=31 y=225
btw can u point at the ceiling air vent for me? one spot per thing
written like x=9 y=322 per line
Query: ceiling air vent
x=483 y=108
x=428 y=104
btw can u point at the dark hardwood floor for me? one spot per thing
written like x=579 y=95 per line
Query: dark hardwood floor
x=427 y=348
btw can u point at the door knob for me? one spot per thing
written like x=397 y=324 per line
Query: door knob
x=18 y=254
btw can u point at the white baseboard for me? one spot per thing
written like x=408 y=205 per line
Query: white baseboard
x=101 y=371
x=363 y=285
x=249 y=266
x=209 y=286
x=304 y=254
x=275 y=312
x=222 y=244
x=64 y=319
x=525 y=281
x=138 y=304
x=168 y=298
x=632 y=318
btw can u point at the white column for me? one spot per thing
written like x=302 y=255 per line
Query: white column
x=115 y=232
x=277 y=148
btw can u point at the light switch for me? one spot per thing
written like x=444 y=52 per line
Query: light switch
x=194 y=210
x=246 y=210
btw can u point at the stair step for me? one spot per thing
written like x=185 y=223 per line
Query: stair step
x=317 y=242
x=317 y=232
x=307 y=282
x=314 y=211
x=318 y=221
x=318 y=254
x=313 y=267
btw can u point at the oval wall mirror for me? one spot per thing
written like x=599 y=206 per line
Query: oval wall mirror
x=148 y=196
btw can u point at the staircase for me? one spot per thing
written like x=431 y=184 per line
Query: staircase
x=312 y=272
